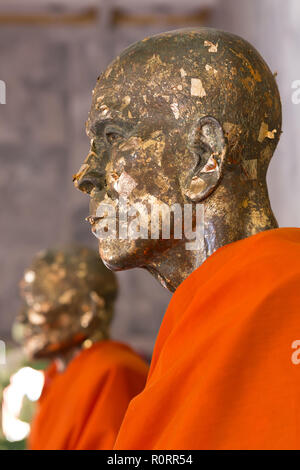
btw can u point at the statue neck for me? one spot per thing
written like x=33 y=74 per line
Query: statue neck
x=226 y=219
x=63 y=360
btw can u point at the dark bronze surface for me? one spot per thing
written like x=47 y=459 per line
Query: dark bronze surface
x=188 y=116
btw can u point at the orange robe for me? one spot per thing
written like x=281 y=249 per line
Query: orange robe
x=225 y=372
x=83 y=407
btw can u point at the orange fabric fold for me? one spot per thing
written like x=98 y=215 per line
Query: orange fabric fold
x=83 y=407
x=223 y=374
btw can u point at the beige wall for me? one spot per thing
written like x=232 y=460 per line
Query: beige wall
x=273 y=26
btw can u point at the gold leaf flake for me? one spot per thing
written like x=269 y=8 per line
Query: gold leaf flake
x=174 y=107
x=250 y=168
x=210 y=69
x=265 y=133
x=197 y=88
x=212 y=47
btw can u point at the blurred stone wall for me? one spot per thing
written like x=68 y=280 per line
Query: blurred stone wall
x=50 y=71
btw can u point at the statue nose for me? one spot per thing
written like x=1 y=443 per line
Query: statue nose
x=88 y=179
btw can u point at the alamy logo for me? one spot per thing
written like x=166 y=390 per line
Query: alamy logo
x=2 y=92
x=2 y=353
x=118 y=219
x=295 y=358
x=296 y=93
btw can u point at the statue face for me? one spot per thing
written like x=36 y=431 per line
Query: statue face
x=133 y=156
x=67 y=296
x=169 y=118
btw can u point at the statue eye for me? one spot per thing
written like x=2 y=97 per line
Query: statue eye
x=112 y=135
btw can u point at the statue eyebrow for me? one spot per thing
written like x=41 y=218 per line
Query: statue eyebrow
x=96 y=128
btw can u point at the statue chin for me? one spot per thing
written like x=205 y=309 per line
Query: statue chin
x=118 y=255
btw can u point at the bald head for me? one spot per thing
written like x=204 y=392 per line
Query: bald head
x=181 y=75
x=188 y=116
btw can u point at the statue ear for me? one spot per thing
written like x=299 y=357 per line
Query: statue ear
x=207 y=143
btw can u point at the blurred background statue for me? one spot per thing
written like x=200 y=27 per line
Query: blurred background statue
x=68 y=302
x=68 y=306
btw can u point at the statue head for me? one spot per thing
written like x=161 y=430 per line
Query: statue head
x=68 y=296
x=189 y=117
